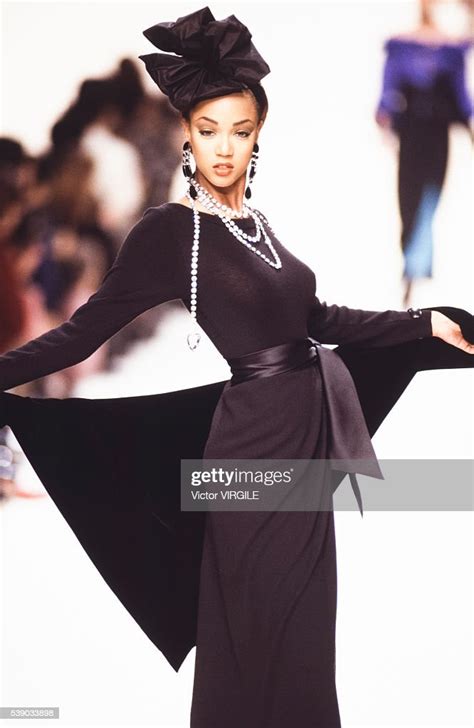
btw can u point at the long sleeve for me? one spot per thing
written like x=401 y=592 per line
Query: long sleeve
x=342 y=325
x=143 y=275
x=389 y=100
x=459 y=84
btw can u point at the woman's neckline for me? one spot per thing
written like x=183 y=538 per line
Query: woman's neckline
x=441 y=42
x=215 y=218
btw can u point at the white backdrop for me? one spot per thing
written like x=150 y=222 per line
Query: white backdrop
x=326 y=180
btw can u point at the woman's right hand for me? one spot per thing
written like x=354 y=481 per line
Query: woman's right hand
x=383 y=119
x=450 y=331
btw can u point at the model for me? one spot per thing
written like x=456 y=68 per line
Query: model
x=424 y=92
x=254 y=591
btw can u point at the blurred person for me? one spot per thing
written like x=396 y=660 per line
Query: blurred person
x=114 y=158
x=88 y=265
x=65 y=199
x=424 y=92
x=24 y=250
x=72 y=199
x=151 y=125
x=124 y=118
x=89 y=128
x=57 y=252
x=12 y=309
x=12 y=314
x=17 y=167
x=21 y=255
x=75 y=161
x=82 y=265
x=254 y=591
x=78 y=281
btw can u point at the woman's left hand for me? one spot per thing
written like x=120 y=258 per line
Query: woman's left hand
x=450 y=331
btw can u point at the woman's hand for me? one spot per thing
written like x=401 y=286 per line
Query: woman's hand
x=450 y=331
x=383 y=119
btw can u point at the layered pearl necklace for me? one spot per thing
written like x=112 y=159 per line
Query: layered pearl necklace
x=224 y=212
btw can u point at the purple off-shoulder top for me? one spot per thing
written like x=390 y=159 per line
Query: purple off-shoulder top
x=426 y=81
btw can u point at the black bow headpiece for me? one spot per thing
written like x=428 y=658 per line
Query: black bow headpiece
x=215 y=57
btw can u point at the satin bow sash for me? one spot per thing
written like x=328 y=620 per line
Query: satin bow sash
x=349 y=438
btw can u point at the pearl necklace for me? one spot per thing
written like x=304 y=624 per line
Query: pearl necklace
x=217 y=208
x=244 y=212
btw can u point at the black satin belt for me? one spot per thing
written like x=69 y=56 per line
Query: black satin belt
x=278 y=359
x=349 y=438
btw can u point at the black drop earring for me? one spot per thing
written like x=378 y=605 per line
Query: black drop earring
x=253 y=169
x=186 y=166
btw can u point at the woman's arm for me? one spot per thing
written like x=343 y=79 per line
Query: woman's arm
x=389 y=101
x=459 y=84
x=143 y=275
x=342 y=325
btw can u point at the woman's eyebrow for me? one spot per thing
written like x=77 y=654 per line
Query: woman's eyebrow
x=213 y=121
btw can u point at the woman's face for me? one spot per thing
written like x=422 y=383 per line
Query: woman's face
x=449 y=16
x=222 y=131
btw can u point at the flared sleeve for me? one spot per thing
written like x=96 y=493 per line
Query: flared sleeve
x=143 y=275
x=331 y=324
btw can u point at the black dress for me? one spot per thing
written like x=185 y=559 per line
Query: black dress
x=255 y=591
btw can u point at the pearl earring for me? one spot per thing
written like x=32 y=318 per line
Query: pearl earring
x=186 y=167
x=253 y=169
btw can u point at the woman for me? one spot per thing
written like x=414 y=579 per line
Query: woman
x=255 y=591
x=424 y=92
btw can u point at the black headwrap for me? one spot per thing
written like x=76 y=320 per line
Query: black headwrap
x=214 y=58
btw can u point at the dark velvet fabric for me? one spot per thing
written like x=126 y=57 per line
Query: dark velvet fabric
x=88 y=453
x=254 y=591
